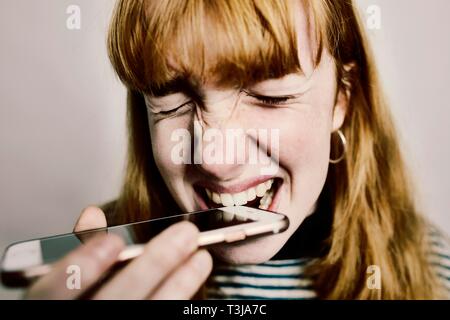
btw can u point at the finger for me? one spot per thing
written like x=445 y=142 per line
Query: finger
x=185 y=281
x=90 y=218
x=161 y=256
x=92 y=260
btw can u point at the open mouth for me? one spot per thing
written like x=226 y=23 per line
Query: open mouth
x=260 y=196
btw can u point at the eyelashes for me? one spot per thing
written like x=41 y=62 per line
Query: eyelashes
x=254 y=98
x=270 y=100
x=171 y=112
x=175 y=112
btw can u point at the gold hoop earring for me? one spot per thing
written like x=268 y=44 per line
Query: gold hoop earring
x=344 y=148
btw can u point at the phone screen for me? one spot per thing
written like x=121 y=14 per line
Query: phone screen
x=54 y=248
x=28 y=259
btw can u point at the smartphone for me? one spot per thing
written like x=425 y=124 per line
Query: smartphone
x=25 y=261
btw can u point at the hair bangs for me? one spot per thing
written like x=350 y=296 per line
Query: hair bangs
x=228 y=43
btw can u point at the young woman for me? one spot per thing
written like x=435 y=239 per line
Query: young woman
x=301 y=67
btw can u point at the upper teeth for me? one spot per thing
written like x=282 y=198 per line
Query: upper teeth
x=241 y=198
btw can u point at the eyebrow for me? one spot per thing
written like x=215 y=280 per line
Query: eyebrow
x=176 y=85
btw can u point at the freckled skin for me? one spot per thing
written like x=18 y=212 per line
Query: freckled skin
x=305 y=128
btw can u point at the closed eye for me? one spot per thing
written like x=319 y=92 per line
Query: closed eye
x=175 y=112
x=271 y=100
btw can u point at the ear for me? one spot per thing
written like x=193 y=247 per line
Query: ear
x=343 y=96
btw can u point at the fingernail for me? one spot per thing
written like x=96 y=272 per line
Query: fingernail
x=185 y=233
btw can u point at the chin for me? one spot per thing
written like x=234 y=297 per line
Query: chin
x=251 y=251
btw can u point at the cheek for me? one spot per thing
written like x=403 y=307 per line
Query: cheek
x=304 y=147
x=305 y=143
x=306 y=135
x=304 y=131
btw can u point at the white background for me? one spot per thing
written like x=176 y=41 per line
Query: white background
x=62 y=110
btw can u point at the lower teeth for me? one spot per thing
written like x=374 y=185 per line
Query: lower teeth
x=265 y=201
x=227 y=216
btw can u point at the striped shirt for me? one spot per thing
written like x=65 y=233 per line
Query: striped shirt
x=274 y=279
x=286 y=279
x=440 y=257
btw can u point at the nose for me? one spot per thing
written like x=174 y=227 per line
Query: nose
x=220 y=152
x=219 y=138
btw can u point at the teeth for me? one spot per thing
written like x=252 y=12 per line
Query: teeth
x=261 y=189
x=251 y=194
x=241 y=217
x=227 y=199
x=228 y=216
x=239 y=199
x=266 y=200
x=215 y=197
x=267 y=197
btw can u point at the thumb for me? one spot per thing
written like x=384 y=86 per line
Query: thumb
x=90 y=218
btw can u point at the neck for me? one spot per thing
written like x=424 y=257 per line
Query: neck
x=309 y=238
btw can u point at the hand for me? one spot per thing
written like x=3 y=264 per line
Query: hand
x=171 y=266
